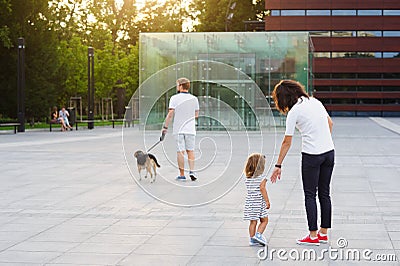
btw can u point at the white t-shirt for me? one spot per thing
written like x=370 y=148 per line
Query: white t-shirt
x=185 y=106
x=311 y=119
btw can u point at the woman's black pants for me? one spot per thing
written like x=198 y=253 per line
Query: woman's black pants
x=316 y=171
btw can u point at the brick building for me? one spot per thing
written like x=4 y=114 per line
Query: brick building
x=356 y=51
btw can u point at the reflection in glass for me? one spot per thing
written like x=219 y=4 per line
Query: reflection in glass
x=390 y=88
x=275 y=12
x=293 y=12
x=391 y=12
x=322 y=75
x=369 y=75
x=318 y=12
x=391 y=75
x=343 y=75
x=324 y=33
x=391 y=33
x=343 y=101
x=369 y=33
x=369 y=12
x=391 y=55
x=344 y=88
x=344 y=33
x=344 y=12
x=247 y=60
x=369 y=101
x=322 y=54
x=322 y=88
x=369 y=88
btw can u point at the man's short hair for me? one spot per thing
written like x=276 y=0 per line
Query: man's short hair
x=184 y=82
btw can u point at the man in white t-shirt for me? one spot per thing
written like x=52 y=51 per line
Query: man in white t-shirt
x=184 y=108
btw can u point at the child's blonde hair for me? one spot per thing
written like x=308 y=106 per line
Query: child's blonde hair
x=255 y=165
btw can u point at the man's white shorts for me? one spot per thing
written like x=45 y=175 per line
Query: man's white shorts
x=185 y=142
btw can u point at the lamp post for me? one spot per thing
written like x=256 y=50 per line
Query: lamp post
x=91 y=87
x=229 y=14
x=21 y=84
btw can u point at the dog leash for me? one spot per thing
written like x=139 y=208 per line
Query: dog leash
x=155 y=144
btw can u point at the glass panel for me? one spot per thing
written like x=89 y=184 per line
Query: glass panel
x=344 y=33
x=322 y=54
x=369 y=101
x=356 y=55
x=275 y=12
x=391 y=55
x=325 y=101
x=391 y=75
x=318 y=12
x=344 y=54
x=343 y=75
x=322 y=75
x=391 y=12
x=322 y=88
x=343 y=12
x=293 y=12
x=369 y=12
x=369 y=33
x=390 y=88
x=344 y=88
x=391 y=33
x=320 y=33
x=343 y=101
x=369 y=75
x=238 y=69
x=369 y=54
x=391 y=101
x=369 y=88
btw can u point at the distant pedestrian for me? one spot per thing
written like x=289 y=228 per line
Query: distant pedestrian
x=184 y=108
x=309 y=116
x=55 y=119
x=64 y=114
x=257 y=200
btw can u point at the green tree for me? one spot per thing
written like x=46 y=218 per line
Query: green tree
x=57 y=35
x=212 y=14
x=28 y=19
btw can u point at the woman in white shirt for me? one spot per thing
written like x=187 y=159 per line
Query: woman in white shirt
x=309 y=116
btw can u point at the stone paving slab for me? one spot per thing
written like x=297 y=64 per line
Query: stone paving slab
x=69 y=199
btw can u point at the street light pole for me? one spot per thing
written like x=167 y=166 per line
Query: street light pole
x=91 y=87
x=21 y=84
x=229 y=14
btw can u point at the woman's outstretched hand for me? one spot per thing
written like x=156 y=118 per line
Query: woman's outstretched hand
x=276 y=174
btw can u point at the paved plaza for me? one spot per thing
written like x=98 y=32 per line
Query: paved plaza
x=70 y=199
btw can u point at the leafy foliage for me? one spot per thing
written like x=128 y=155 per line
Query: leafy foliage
x=58 y=33
x=213 y=14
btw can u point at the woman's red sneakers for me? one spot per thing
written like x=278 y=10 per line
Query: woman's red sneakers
x=322 y=238
x=308 y=241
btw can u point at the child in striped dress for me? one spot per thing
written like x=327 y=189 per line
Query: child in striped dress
x=257 y=201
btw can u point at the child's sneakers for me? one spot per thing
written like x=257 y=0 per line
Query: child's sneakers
x=260 y=239
x=308 y=241
x=322 y=238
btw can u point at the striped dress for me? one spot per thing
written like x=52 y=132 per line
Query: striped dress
x=255 y=206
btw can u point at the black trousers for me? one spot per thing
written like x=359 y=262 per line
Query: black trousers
x=316 y=171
